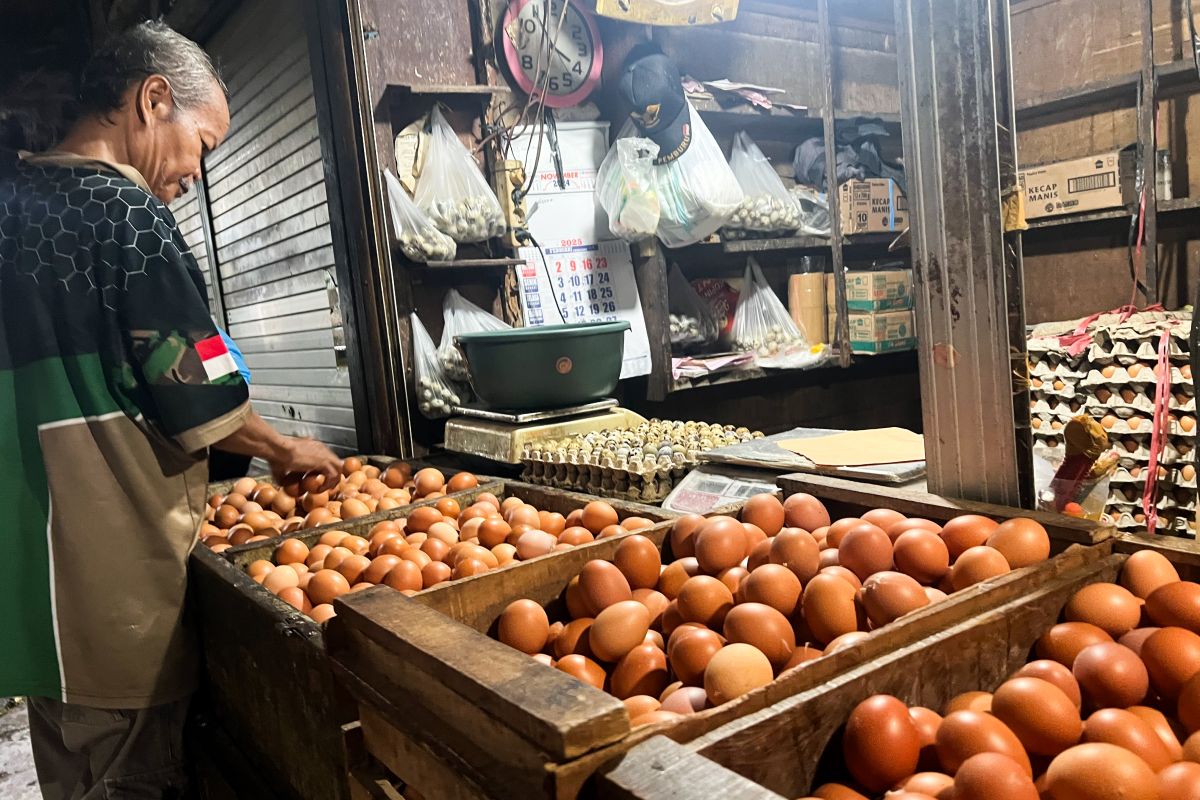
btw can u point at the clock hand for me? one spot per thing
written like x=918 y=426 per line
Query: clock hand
x=566 y=60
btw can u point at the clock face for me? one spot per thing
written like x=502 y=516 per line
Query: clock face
x=561 y=62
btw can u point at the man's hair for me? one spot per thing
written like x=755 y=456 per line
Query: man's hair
x=149 y=48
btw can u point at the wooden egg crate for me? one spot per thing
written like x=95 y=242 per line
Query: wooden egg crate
x=455 y=713
x=267 y=677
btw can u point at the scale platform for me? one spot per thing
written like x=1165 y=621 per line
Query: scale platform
x=502 y=435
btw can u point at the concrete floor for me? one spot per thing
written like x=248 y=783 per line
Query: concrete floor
x=18 y=780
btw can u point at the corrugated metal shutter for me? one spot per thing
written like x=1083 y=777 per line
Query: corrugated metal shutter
x=187 y=215
x=270 y=218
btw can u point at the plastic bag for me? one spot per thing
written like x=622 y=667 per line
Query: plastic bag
x=625 y=189
x=452 y=190
x=767 y=206
x=761 y=325
x=461 y=316
x=697 y=192
x=436 y=393
x=814 y=211
x=417 y=236
x=692 y=322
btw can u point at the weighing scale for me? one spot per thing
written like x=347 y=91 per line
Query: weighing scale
x=502 y=435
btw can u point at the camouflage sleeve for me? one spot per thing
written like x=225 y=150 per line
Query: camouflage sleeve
x=188 y=382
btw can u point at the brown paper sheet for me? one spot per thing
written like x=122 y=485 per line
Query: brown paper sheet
x=860 y=448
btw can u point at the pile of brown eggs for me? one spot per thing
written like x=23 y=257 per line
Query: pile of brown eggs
x=747 y=599
x=256 y=510
x=433 y=544
x=1110 y=710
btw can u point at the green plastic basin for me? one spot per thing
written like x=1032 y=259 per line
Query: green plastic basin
x=554 y=366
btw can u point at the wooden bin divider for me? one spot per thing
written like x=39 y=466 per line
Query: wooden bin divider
x=268 y=677
x=375 y=642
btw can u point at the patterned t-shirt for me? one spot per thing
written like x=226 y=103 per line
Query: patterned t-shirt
x=113 y=383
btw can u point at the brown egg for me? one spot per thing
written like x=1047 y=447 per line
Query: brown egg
x=532 y=544
x=1175 y=604
x=881 y=744
x=354 y=508
x=575 y=637
x=583 y=668
x=523 y=626
x=461 y=482
x=433 y=573
x=970 y=701
x=352 y=568
x=638 y=560
x=864 y=550
x=829 y=607
x=887 y=596
x=598 y=515
x=618 y=629
x=640 y=704
x=932 y=784
x=990 y=776
x=1162 y=727
x=491 y=532
x=764 y=511
x=833 y=537
x=975 y=565
x=280 y=578
x=643 y=670
x=803 y=654
x=467 y=567
x=296 y=598
x=774 y=585
x=927 y=721
x=843 y=573
x=1145 y=571
x=963 y=734
x=379 y=567
x=1042 y=716
x=761 y=554
x=844 y=641
x=676 y=574
x=901 y=527
x=448 y=507
x=686 y=700
x=706 y=600
x=1128 y=731
x=805 y=512
x=655 y=717
x=325 y=586
x=921 y=554
x=1055 y=673
x=1179 y=782
x=1191 y=748
x=421 y=519
x=576 y=536
x=602 y=585
x=836 y=791
x=227 y=516
x=764 y=628
x=322 y=613
x=1110 y=674
x=428 y=481
x=671 y=619
x=1109 y=607
x=655 y=601
x=733 y=578
x=967 y=531
x=1022 y=541
x=720 y=543
x=403 y=576
x=259 y=567
x=552 y=522
x=735 y=670
x=636 y=523
x=1189 y=704
x=291 y=551
x=356 y=545
x=1064 y=641
x=797 y=551
x=1172 y=656
x=523 y=515
x=683 y=534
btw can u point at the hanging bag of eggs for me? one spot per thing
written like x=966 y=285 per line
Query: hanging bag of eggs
x=452 y=190
x=437 y=395
x=418 y=237
x=768 y=208
x=625 y=189
x=762 y=326
x=692 y=322
x=461 y=316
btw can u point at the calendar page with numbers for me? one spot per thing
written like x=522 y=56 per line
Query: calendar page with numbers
x=586 y=282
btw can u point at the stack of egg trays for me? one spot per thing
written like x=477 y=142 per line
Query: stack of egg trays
x=1118 y=390
x=636 y=480
x=1054 y=376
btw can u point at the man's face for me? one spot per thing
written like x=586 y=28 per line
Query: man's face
x=166 y=143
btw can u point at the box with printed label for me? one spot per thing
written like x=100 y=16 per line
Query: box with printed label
x=882 y=332
x=1083 y=184
x=880 y=290
x=875 y=205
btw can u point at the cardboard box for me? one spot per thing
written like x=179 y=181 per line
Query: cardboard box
x=883 y=290
x=1092 y=183
x=882 y=332
x=872 y=206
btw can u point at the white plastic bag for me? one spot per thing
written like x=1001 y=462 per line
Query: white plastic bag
x=761 y=325
x=625 y=189
x=814 y=211
x=768 y=206
x=436 y=393
x=461 y=316
x=452 y=190
x=418 y=237
x=697 y=192
x=692 y=323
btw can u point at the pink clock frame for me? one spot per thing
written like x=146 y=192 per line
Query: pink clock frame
x=512 y=57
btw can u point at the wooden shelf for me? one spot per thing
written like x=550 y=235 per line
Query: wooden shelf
x=814 y=243
x=1121 y=91
x=474 y=262
x=754 y=120
x=446 y=89
x=1177 y=205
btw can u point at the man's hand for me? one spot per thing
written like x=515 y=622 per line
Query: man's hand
x=307 y=456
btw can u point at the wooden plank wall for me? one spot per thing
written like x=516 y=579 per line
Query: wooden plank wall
x=274 y=253
x=1059 y=45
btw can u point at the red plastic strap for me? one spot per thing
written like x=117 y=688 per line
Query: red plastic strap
x=1159 y=422
x=1078 y=340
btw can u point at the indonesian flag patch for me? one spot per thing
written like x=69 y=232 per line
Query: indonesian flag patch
x=216 y=358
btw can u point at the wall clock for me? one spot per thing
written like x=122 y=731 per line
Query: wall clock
x=564 y=59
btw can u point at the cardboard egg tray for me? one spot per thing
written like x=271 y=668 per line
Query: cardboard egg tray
x=1134 y=448
x=1144 y=378
x=1046 y=369
x=1059 y=389
x=1170 y=525
x=1056 y=409
x=1142 y=425
x=1141 y=403
x=1126 y=353
x=1182 y=476
x=635 y=482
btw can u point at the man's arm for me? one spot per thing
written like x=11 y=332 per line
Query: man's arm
x=285 y=454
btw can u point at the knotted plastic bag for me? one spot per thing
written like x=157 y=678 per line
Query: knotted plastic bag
x=418 y=237
x=625 y=189
x=761 y=325
x=452 y=190
x=461 y=316
x=692 y=322
x=768 y=207
x=437 y=395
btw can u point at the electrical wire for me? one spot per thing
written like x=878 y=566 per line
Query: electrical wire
x=1195 y=40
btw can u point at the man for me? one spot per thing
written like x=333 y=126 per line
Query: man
x=114 y=383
